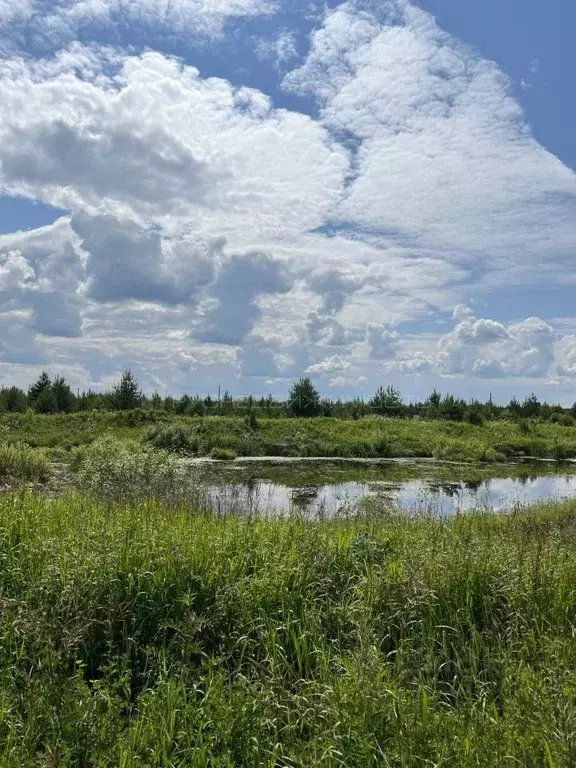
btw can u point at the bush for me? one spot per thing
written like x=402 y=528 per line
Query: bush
x=251 y=421
x=524 y=427
x=473 y=416
x=124 y=471
x=173 y=438
x=222 y=454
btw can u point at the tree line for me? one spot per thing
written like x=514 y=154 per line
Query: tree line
x=54 y=395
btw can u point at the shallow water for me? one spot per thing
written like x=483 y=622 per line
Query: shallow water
x=318 y=500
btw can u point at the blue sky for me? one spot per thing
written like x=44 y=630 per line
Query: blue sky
x=238 y=192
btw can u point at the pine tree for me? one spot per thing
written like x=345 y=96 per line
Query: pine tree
x=387 y=402
x=63 y=395
x=304 y=399
x=13 y=400
x=42 y=384
x=46 y=402
x=126 y=394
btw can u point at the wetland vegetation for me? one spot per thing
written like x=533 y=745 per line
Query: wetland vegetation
x=136 y=634
x=139 y=627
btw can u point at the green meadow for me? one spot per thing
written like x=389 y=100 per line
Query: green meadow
x=145 y=634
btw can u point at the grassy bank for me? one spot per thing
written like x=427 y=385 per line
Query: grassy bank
x=133 y=636
x=368 y=437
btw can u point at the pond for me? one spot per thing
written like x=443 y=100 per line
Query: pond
x=320 y=490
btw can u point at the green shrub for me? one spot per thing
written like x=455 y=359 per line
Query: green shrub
x=524 y=426
x=172 y=437
x=222 y=454
x=124 y=471
x=473 y=416
x=20 y=462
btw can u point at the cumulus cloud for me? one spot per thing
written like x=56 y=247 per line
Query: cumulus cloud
x=325 y=330
x=241 y=279
x=201 y=218
x=331 y=364
x=39 y=279
x=567 y=356
x=486 y=349
x=334 y=287
x=344 y=381
x=382 y=343
x=445 y=156
x=126 y=262
x=57 y=22
x=15 y=271
x=149 y=139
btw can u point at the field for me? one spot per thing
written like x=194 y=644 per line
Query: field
x=137 y=635
x=370 y=437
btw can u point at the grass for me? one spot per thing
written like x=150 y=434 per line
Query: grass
x=22 y=463
x=222 y=454
x=134 y=635
x=364 y=438
x=124 y=471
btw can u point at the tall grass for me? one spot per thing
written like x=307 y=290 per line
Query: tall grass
x=124 y=471
x=20 y=462
x=369 y=437
x=364 y=438
x=133 y=636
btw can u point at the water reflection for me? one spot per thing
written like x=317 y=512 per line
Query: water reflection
x=264 y=497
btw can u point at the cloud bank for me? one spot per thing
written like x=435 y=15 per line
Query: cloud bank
x=209 y=232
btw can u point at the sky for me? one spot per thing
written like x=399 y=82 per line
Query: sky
x=237 y=193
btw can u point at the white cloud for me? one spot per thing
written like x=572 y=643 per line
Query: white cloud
x=209 y=230
x=350 y=382
x=445 y=156
x=323 y=329
x=485 y=348
x=126 y=262
x=280 y=49
x=382 y=343
x=63 y=20
x=567 y=356
x=242 y=278
x=160 y=144
x=184 y=360
x=334 y=363
x=15 y=10
x=15 y=271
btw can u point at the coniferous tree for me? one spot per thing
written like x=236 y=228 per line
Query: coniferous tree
x=46 y=402
x=126 y=394
x=304 y=399
x=62 y=394
x=387 y=402
x=40 y=386
x=13 y=400
x=156 y=401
